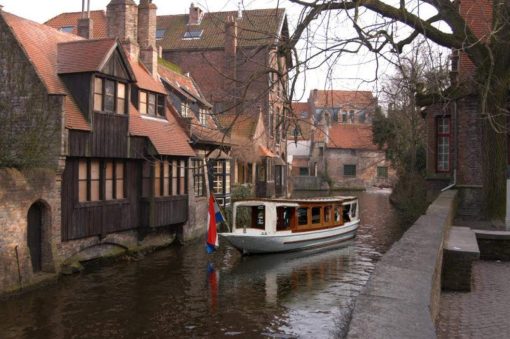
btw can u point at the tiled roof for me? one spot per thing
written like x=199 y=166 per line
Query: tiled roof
x=256 y=28
x=338 y=98
x=167 y=136
x=99 y=22
x=351 y=136
x=259 y=27
x=266 y=152
x=241 y=127
x=187 y=87
x=84 y=55
x=144 y=79
x=182 y=83
x=40 y=45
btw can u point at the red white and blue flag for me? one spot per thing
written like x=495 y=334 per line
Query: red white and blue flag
x=213 y=218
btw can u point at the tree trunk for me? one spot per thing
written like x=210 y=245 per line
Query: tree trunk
x=495 y=156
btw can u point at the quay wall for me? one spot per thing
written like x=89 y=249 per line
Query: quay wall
x=401 y=298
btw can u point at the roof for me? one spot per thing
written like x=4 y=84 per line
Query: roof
x=84 y=55
x=339 y=98
x=183 y=84
x=167 y=136
x=351 y=136
x=258 y=27
x=99 y=22
x=239 y=126
x=144 y=79
x=40 y=45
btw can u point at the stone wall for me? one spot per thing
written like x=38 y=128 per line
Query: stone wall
x=366 y=168
x=18 y=192
x=401 y=298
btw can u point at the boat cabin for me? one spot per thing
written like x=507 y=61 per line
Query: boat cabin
x=293 y=216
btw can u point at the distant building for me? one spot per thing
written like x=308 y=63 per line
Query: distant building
x=332 y=140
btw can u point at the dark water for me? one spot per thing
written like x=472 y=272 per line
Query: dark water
x=171 y=294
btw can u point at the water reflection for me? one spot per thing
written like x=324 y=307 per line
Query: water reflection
x=183 y=292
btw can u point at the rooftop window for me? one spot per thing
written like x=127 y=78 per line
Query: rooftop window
x=191 y=35
x=160 y=34
x=67 y=29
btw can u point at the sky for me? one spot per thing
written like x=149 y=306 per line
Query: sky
x=351 y=72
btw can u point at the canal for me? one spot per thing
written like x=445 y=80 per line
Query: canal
x=183 y=292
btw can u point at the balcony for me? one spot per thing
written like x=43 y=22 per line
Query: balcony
x=163 y=211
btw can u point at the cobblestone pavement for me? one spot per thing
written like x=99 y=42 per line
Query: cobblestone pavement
x=482 y=313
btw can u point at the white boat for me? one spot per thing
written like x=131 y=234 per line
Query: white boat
x=283 y=225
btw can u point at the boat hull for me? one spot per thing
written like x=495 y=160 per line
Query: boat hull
x=248 y=243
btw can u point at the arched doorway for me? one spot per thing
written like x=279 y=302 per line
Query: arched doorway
x=34 y=235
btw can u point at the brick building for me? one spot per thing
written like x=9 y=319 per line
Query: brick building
x=236 y=60
x=454 y=129
x=335 y=129
x=118 y=173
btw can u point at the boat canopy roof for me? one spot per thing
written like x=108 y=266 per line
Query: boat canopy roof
x=295 y=202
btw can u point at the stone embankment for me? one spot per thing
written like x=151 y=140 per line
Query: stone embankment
x=401 y=299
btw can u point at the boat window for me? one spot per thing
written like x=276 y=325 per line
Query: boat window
x=316 y=215
x=353 y=210
x=260 y=216
x=283 y=217
x=302 y=216
x=244 y=217
x=346 y=209
x=327 y=214
x=338 y=214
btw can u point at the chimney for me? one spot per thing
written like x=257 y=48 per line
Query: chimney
x=147 y=35
x=122 y=18
x=195 y=15
x=85 y=23
x=231 y=37
x=230 y=45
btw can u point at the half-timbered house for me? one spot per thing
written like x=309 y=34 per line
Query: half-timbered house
x=119 y=162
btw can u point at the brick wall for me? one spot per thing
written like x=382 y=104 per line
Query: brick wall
x=18 y=192
x=366 y=167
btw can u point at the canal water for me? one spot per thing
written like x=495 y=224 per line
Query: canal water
x=181 y=292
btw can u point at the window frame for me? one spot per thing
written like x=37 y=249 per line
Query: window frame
x=447 y=136
x=158 y=105
x=384 y=169
x=101 y=180
x=353 y=166
x=102 y=95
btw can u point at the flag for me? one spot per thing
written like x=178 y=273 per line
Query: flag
x=213 y=218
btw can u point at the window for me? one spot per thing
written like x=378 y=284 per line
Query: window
x=304 y=115
x=382 y=172
x=184 y=109
x=221 y=176
x=143 y=102
x=160 y=34
x=349 y=170
x=351 y=116
x=109 y=96
x=151 y=103
x=316 y=215
x=303 y=171
x=190 y=35
x=198 y=177
x=443 y=144
x=302 y=214
x=344 y=116
x=100 y=180
x=327 y=214
x=67 y=29
x=164 y=177
x=202 y=116
x=362 y=117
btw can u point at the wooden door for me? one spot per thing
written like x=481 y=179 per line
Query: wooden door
x=34 y=234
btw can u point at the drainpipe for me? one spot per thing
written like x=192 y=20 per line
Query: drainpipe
x=455 y=154
x=19 y=270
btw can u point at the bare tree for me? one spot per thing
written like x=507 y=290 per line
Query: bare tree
x=387 y=27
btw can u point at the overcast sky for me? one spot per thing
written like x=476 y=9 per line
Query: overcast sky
x=349 y=73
